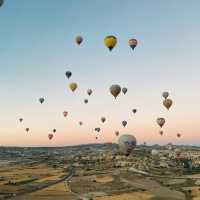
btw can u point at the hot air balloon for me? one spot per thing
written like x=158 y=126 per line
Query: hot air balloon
x=115 y=90
x=41 y=100
x=97 y=129
x=68 y=74
x=110 y=41
x=85 y=101
x=161 y=133
x=89 y=92
x=80 y=123
x=134 y=111
x=27 y=129
x=124 y=90
x=96 y=138
x=165 y=95
x=126 y=144
x=117 y=133
x=54 y=130
x=160 y=121
x=1 y=2
x=103 y=119
x=178 y=135
x=73 y=86
x=20 y=119
x=79 y=40
x=50 y=136
x=65 y=113
x=124 y=123
x=167 y=103
x=133 y=43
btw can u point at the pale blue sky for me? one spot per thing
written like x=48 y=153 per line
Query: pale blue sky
x=37 y=47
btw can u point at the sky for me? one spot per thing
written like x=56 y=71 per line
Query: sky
x=37 y=47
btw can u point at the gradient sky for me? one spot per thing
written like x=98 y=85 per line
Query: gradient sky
x=37 y=47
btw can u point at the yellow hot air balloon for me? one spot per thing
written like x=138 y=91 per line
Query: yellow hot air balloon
x=73 y=86
x=167 y=103
x=110 y=41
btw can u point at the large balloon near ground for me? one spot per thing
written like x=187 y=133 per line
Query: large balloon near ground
x=167 y=103
x=79 y=40
x=110 y=41
x=126 y=144
x=73 y=86
x=115 y=90
x=165 y=95
x=133 y=43
x=160 y=121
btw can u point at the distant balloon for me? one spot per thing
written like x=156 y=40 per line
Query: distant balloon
x=79 y=40
x=134 y=111
x=97 y=129
x=1 y=2
x=68 y=74
x=89 y=92
x=54 y=130
x=110 y=42
x=167 y=103
x=124 y=90
x=126 y=144
x=80 y=123
x=165 y=95
x=73 y=86
x=20 y=119
x=103 y=119
x=50 y=136
x=96 y=138
x=65 y=113
x=178 y=135
x=41 y=100
x=161 y=133
x=124 y=123
x=117 y=133
x=115 y=90
x=85 y=101
x=133 y=43
x=160 y=121
x=27 y=129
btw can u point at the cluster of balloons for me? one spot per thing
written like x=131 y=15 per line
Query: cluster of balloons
x=167 y=103
x=110 y=41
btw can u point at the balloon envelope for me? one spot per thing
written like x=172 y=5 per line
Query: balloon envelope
x=73 y=86
x=68 y=74
x=97 y=129
x=89 y=92
x=133 y=43
x=103 y=119
x=27 y=129
x=20 y=119
x=115 y=90
x=165 y=95
x=41 y=100
x=167 y=103
x=134 y=111
x=124 y=123
x=127 y=143
x=85 y=101
x=160 y=121
x=110 y=41
x=65 y=113
x=79 y=39
x=50 y=136
x=124 y=90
